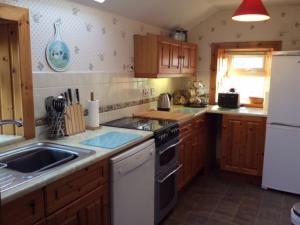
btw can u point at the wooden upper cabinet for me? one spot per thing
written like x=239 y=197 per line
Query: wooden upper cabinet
x=175 y=58
x=164 y=57
x=157 y=56
x=189 y=58
x=242 y=149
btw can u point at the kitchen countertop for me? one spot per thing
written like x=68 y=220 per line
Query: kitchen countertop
x=183 y=114
x=64 y=170
x=10 y=139
x=243 y=111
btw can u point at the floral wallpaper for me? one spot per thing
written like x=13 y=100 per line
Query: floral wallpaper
x=99 y=41
x=284 y=25
x=101 y=44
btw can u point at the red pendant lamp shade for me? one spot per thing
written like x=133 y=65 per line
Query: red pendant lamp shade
x=250 y=11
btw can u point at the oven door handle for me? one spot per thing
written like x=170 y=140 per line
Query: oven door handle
x=170 y=174
x=163 y=151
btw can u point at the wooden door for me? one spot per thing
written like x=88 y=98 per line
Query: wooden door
x=10 y=80
x=189 y=58
x=175 y=58
x=89 y=210
x=181 y=179
x=187 y=165
x=169 y=56
x=164 y=57
x=251 y=160
x=199 y=145
x=242 y=149
x=185 y=158
x=232 y=143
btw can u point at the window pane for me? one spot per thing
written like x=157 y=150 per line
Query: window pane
x=248 y=62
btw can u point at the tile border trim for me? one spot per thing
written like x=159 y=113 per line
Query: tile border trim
x=107 y=108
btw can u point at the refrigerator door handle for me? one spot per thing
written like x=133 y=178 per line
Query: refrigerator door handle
x=285 y=125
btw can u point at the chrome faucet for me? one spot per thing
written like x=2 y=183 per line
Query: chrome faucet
x=18 y=123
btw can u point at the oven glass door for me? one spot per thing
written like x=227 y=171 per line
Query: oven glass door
x=168 y=155
x=166 y=196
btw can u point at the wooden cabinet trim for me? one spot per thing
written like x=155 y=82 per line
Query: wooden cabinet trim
x=74 y=186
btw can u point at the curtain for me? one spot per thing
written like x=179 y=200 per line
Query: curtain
x=222 y=69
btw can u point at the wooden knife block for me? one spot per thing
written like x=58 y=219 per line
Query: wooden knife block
x=74 y=120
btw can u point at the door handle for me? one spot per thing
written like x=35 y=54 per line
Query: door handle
x=285 y=125
x=170 y=174
x=163 y=151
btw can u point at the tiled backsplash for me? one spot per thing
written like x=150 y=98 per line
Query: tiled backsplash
x=110 y=89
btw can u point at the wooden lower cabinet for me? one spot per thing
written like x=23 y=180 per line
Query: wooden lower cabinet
x=89 y=210
x=242 y=144
x=25 y=210
x=78 y=199
x=191 y=149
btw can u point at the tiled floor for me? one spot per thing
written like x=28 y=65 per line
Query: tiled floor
x=215 y=200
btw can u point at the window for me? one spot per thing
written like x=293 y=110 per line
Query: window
x=246 y=71
x=247 y=64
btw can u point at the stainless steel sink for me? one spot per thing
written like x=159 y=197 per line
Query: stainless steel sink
x=25 y=163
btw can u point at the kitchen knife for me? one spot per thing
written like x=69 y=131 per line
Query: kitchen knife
x=77 y=95
x=70 y=96
x=66 y=97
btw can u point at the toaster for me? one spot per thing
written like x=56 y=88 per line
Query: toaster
x=229 y=100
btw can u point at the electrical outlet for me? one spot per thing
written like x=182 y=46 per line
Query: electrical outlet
x=152 y=92
x=146 y=92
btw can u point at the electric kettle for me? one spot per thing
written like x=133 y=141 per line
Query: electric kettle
x=164 y=102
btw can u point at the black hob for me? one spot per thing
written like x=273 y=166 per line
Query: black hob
x=135 y=123
x=164 y=130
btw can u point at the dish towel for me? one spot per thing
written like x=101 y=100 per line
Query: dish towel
x=111 y=140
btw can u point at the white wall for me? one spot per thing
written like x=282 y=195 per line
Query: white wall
x=284 y=25
x=101 y=44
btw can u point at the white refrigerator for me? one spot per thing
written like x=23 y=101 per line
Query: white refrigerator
x=281 y=170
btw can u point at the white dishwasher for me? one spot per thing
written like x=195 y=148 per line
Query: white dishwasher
x=132 y=186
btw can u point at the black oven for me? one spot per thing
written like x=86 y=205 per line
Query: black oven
x=166 y=192
x=167 y=155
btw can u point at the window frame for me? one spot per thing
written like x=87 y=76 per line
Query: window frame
x=244 y=72
x=238 y=46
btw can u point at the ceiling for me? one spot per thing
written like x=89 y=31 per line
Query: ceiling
x=172 y=13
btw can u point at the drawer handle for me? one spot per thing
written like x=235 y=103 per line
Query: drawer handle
x=170 y=174
x=172 y=146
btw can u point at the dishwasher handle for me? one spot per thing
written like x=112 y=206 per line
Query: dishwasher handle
x=170 y=174
x=133 y=162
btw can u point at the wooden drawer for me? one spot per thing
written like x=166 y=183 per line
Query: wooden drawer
x=91 y=209
x=26 y=210
x=74 y=186
x=185 y=129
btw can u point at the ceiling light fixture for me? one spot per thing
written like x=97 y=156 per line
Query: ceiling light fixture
x=251 y=11
x=100 y=1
